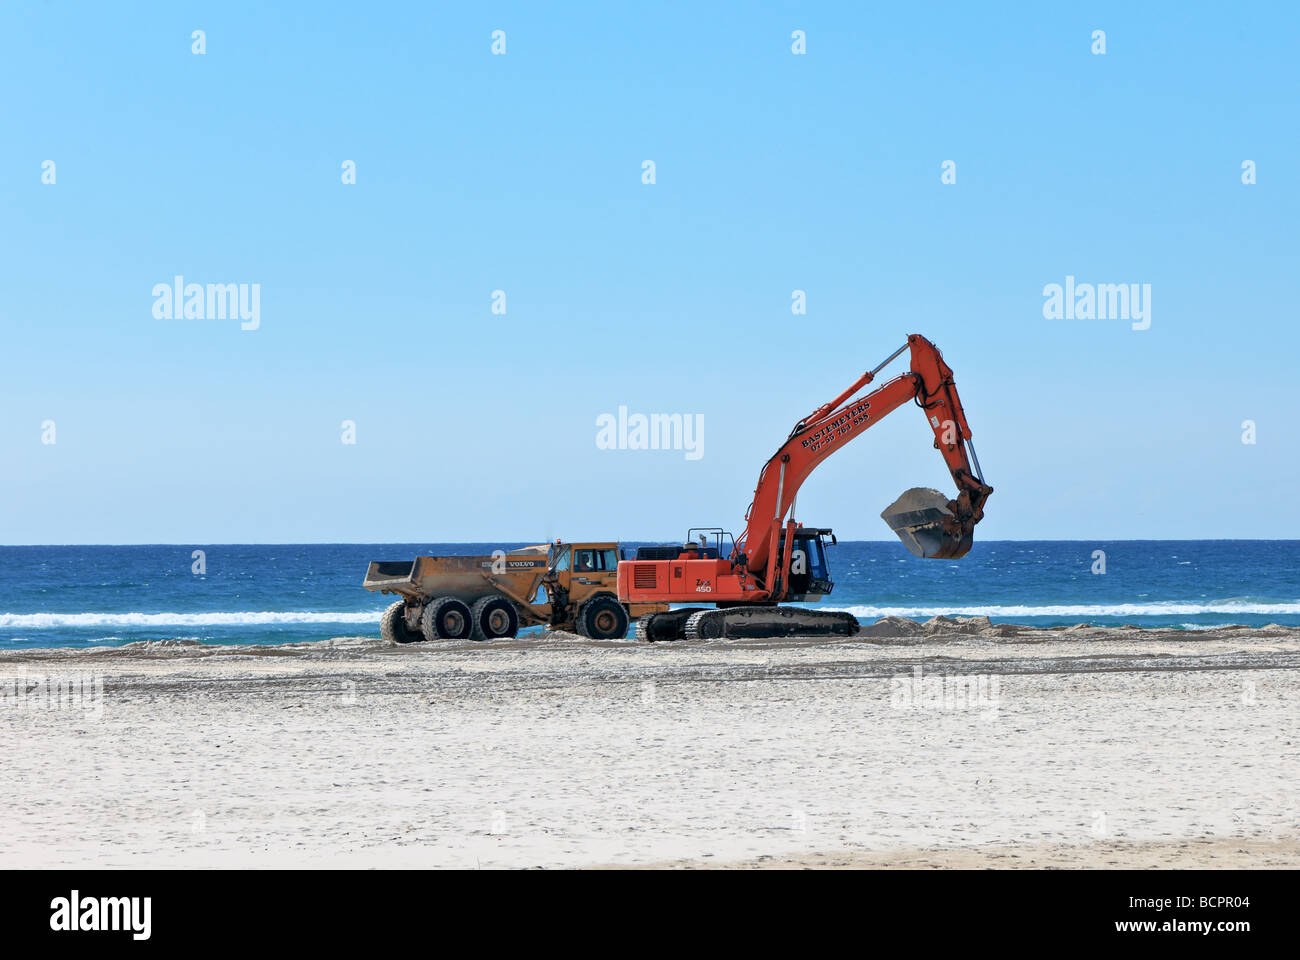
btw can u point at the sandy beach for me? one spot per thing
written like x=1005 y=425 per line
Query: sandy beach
x=954 y=743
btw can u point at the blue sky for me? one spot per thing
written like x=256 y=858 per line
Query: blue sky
x=523 y=172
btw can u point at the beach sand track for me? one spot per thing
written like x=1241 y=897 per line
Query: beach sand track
x=1105 y=746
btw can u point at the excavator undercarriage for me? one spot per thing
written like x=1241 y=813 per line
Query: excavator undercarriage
x=741 y=623
x=745 y=623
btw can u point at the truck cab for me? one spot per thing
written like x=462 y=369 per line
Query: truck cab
x=589 y=564
x=583 y=577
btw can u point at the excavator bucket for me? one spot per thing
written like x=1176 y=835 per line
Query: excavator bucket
x=924 y=520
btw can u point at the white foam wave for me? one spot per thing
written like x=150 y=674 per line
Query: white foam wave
x=38 y=621
x=1084 y=610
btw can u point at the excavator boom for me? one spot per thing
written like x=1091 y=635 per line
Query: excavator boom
x=929 y=524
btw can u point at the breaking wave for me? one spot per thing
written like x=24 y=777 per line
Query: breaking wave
x=37 y=621
x=1171 y=609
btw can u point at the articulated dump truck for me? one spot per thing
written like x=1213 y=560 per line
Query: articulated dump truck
x=569 y=586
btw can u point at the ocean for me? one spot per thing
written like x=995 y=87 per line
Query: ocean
x=76 y=596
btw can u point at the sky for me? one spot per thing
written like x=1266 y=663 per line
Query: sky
x=524 y=172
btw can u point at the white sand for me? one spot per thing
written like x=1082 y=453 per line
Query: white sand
x=1088 y=748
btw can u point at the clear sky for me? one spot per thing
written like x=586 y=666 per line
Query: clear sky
x=523 y=172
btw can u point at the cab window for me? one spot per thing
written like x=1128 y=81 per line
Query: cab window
x=562 y=561
x=584 y=561
x=813 y=557
x=610 y=558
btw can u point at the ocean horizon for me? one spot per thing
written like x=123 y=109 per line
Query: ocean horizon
x=103 y=595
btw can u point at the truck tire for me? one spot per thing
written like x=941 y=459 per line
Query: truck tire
x=603 y=618
x=494 y=618
x=392 y=625
x=446 y=619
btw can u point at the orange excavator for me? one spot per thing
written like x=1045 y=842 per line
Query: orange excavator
x=777 y=560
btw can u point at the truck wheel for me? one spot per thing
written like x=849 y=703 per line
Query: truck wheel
x=603 y=618
x=445 y=619
x=392 y=625
x=494 y=618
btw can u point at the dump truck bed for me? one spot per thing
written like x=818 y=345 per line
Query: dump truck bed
x=466 y=577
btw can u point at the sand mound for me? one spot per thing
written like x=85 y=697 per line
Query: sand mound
x=558 y=635
x=159 y=645
x=955 y=628
x=966 y=626
x=889 y=627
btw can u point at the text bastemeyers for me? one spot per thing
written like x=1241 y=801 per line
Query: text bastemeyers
x=102 y=913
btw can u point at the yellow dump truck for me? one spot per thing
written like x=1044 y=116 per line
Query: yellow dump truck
x=570 y=586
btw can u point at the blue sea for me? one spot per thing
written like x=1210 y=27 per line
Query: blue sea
x=69 y=596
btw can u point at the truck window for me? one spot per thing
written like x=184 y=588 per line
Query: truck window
x=610 y=558
x=584 y=561
x=561 y=560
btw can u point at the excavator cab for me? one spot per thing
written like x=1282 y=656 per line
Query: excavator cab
x=809 y=576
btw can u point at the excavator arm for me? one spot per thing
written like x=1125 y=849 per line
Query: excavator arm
x=929 y=524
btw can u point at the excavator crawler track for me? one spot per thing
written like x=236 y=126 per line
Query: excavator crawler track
x=666 y=626
x=756 y=623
